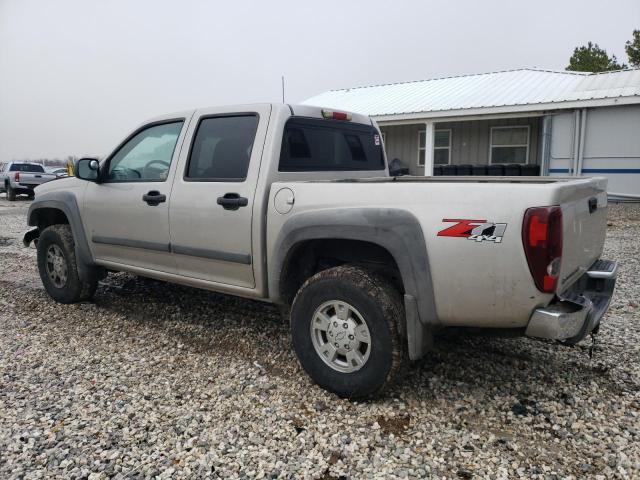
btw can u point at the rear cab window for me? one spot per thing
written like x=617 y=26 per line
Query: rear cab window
x=315 y=145
x=26 y=167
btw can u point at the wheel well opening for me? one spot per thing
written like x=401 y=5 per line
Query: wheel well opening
x=309 y=257
x=45 y=217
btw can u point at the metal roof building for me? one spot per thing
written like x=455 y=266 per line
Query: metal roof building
x=563 y=122
x=527 y=89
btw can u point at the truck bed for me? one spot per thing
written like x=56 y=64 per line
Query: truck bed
x=492 y=276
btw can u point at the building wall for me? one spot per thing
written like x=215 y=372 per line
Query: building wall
x=402 y=142
x=469 y=141
x=611 y=146
x=562 y=143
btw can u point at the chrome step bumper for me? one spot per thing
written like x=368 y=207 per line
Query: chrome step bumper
x=577 y=311
x=603 y=269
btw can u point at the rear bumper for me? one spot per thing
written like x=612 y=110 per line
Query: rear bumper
x=577 y=311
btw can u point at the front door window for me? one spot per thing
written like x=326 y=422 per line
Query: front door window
x=146 y=157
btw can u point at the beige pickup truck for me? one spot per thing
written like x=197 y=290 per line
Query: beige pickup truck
x=294 y=205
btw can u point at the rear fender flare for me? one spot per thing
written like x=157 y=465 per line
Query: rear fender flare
x=396 y=230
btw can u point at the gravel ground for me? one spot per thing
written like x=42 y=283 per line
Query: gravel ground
x=157 y=380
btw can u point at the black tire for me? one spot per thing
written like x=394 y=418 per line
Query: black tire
x=381 y=308
x=11 y=193
x=73 y=290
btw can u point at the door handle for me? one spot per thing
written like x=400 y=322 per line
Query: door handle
x=593 y=204
x=154 y=198
x=232 y=201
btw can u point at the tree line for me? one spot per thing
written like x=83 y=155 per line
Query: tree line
x=47 y=162
x=592 y=58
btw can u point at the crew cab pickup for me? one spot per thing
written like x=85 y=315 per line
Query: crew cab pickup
x=22 y=177
x=294 y=205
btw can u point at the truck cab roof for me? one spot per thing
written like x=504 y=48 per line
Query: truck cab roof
x=297 y=110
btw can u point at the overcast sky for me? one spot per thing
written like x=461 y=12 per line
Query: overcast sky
x=77 y=76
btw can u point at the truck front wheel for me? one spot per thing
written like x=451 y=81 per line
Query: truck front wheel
x=58 y=268
x=344 y=325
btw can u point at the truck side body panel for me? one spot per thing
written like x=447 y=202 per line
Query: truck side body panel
x=469 y=230
x=480 y=281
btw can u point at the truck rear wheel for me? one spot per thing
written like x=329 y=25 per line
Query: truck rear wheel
x=344 y=325
x=11 y=193
x=58 y=268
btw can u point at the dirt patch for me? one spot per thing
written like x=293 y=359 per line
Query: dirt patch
x=394 y=425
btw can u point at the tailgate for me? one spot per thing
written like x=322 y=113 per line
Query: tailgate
x=34 y=178
x=584 y=217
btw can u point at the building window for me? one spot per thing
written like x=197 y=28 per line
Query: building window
x=441 y=147
x=509 y=144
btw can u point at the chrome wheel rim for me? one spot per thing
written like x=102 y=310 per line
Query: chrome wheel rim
x=56 y=266
x=340 y=336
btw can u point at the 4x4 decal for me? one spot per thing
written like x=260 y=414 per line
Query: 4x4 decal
x=477 y=230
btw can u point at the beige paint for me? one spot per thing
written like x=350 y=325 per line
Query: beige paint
x=493 y=279
x=481 y=284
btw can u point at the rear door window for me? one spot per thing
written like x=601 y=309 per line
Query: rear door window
x=314 y=145
x=222 y=148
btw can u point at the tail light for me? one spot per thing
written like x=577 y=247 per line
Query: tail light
x=542 y=240
x=16 y=177
x=332 y=114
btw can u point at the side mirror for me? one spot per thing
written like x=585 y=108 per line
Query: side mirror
x=87 y=169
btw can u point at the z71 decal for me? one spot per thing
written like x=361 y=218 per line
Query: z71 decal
x=477 y=230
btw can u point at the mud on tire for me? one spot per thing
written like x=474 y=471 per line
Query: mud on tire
x=378 y=303
x=59 y=239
